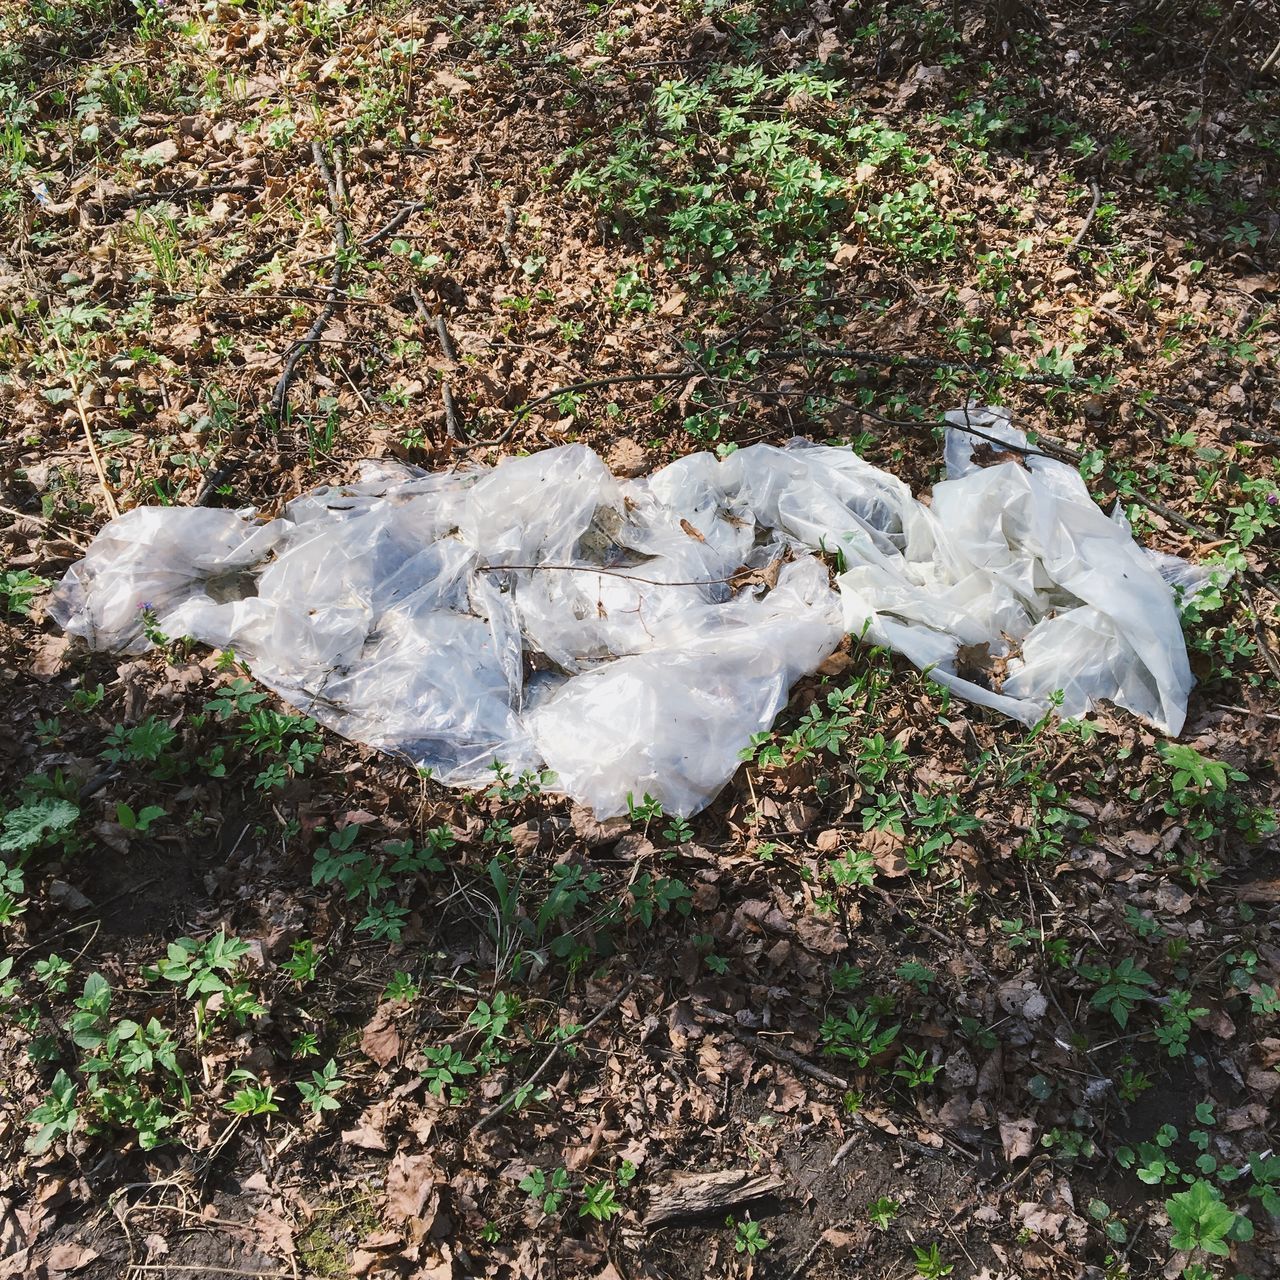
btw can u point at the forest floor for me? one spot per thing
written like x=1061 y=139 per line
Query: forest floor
x=928 y=993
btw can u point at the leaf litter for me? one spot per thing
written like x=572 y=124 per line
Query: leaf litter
x=837 y=889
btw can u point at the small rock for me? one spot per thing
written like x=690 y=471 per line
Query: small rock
x=68 y=896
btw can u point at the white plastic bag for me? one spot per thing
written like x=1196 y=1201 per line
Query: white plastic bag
x=545 y=614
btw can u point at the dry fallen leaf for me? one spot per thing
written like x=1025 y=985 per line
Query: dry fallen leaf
x=411 y=1179
x=1017 y=1136
x=380 y=1039
x=64 y=1259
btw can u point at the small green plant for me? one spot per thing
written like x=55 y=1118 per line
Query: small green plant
x=858 y=1036
x=306 y=1044
x=36 y=822
x=444 y=1068
x=401 y=988
x=657 y=895
x=930 y=1265
x=320 y=1092
x=599 y=1202
x=914 y=1070
x=1121 y=988
x=881 y=1212
x=645 y=811
x=747 y=1236
x=1175 y=1025
x=1154 y=1161
x=56 y=1116
x=52 y=973
x=18 y=589
x=549 y=1192
x=144 y=743
x=1113 y=1226
x=208 y=969
x=1201 y=1221
x=303 y=962
x=142 y=821
x=254 y=1098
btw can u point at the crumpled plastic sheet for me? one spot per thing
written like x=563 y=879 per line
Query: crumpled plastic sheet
x=548 y=615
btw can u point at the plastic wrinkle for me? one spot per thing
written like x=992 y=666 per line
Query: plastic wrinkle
x=547 y=615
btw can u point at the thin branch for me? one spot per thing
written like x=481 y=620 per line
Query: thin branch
x=545 y=1065
x=61 y=530
x=125 y=199
x=1271 y=60
x=280 y=395
x=383 y=233
x=394 y=225
x=805 y=1067
x=608 y=573
x=591 y=384
x=1078 y=239
x=452 y=418
x=508 y=233
x=88 y=433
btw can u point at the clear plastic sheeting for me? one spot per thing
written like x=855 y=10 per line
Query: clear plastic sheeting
x=631 y=635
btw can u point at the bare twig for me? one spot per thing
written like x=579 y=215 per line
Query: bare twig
x=126 y=199
x=545 y=1065
x=452 y=418
x=88 y=433
x=394 y=225
x=1079 y=236
x=1246 y=711
x=592 y=384
x=205 y=1269
x=1260 y=635
x=791 y=1059
x=1270 y=61
x=280 y=395
x=508 y=232
x=608 y=573
x=69 y=534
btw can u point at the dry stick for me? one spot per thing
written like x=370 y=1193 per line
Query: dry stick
x=377 y=237
x=545 y=1065
x=1271 y=60
x=805 y=1067
x=280 y=396
x=1260 y=634
x=508 y=232
x=860 y=355
x=88 y=433
x=339 y=179
x=452 y=419
x=394 y=225
x=129 y=198
x=334 y=298
x=591 y=384
x=69 y=534
x=206 y=1268
x=608 y=573
x=1245 y=711
x=1088 y=220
